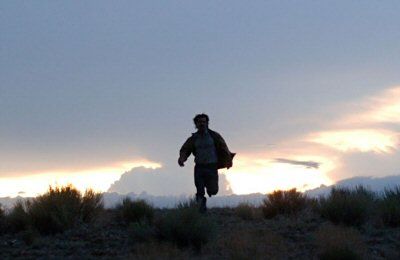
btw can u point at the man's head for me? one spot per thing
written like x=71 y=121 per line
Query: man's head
x=201 y=122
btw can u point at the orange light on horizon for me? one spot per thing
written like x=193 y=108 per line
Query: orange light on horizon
x=98 y=179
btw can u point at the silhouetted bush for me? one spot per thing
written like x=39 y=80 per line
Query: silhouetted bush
x=29 y=236
x=283 y=202
x=154 y=250
x=59 y=209
x=250 y=243
x=135 y=211
x=92 y=205
x=338 y=242
x=140 y=232
x=335 y=253
x=185 y=226
x=390 y=207
x=347 y=206
x=245 y=211
x=2 y=219
x=18 y=219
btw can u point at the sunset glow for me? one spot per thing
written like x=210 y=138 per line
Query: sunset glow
x=99 y=179
x=363 y=140
x=386 y=108
x=266 y=175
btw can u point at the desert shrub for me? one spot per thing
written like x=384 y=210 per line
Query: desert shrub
x=335 y=253
x=347 y=206
x=56 y=210
x=2 y=214
x=135 y=211
x=245 y=211
x=250 y=243
x=18 y=219
x=2 y=219
x=185 y=226
x=29 y=236
x=91 y=206
x=287 y=202
x=140 y=232
x=337 y=242
x=163 y=251
x=62 y=207
x=390 y=207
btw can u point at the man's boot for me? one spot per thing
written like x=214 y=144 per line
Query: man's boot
x=203 y=205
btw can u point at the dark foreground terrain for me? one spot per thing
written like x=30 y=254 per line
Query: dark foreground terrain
x=238 y=233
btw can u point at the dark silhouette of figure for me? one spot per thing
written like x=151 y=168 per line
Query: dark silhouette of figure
x=211 y=153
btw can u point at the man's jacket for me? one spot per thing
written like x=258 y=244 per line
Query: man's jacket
x=225 y=157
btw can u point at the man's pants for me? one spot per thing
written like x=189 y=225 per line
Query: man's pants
x=206 y=177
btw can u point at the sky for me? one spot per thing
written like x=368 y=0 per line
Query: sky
x=305 y=92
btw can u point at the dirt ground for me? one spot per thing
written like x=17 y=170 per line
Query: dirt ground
x=305 y=236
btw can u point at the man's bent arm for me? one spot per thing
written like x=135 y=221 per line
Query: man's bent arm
x=186 y=149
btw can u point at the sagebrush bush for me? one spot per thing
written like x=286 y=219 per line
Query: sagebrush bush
x=135 y=211
x=250 y=243
x=57 y=210
x=287 y=202
x=92 y=205
x=390 y=207
x=140 y=232
x=245 y=211
x=2 y=219
x=338 y=242
x=18 y=219
x=153 y=250
x=347 y=206
x=185 y=226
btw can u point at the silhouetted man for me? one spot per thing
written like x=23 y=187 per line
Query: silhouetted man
x=211 y=153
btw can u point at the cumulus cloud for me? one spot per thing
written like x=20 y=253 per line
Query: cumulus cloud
x=161 y=182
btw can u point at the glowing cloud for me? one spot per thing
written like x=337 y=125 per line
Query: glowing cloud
x=99 y=179
x=386 y=107
x=382 y=108
x=363 y=140
x=252 y=174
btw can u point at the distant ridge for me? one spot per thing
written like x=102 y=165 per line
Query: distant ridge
x=377 y=184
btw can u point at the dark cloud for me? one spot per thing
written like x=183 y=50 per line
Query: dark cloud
x=307 y=164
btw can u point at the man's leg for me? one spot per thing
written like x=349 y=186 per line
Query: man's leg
x=211 y=182
x=199 y=181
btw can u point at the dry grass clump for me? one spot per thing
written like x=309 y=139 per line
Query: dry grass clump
x=59 y=209
x=157 y=251
x=2 y=219
x=279 y=202
x=347 y=206
x=185 y=226
x=132 y=211
x=246 y=211
x=140 y=232
x=390 y=207
x=18 y=219
x=91 y=205
x=337 y=242
x=250 y=244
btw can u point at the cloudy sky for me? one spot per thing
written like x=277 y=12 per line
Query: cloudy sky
x=305 y=92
